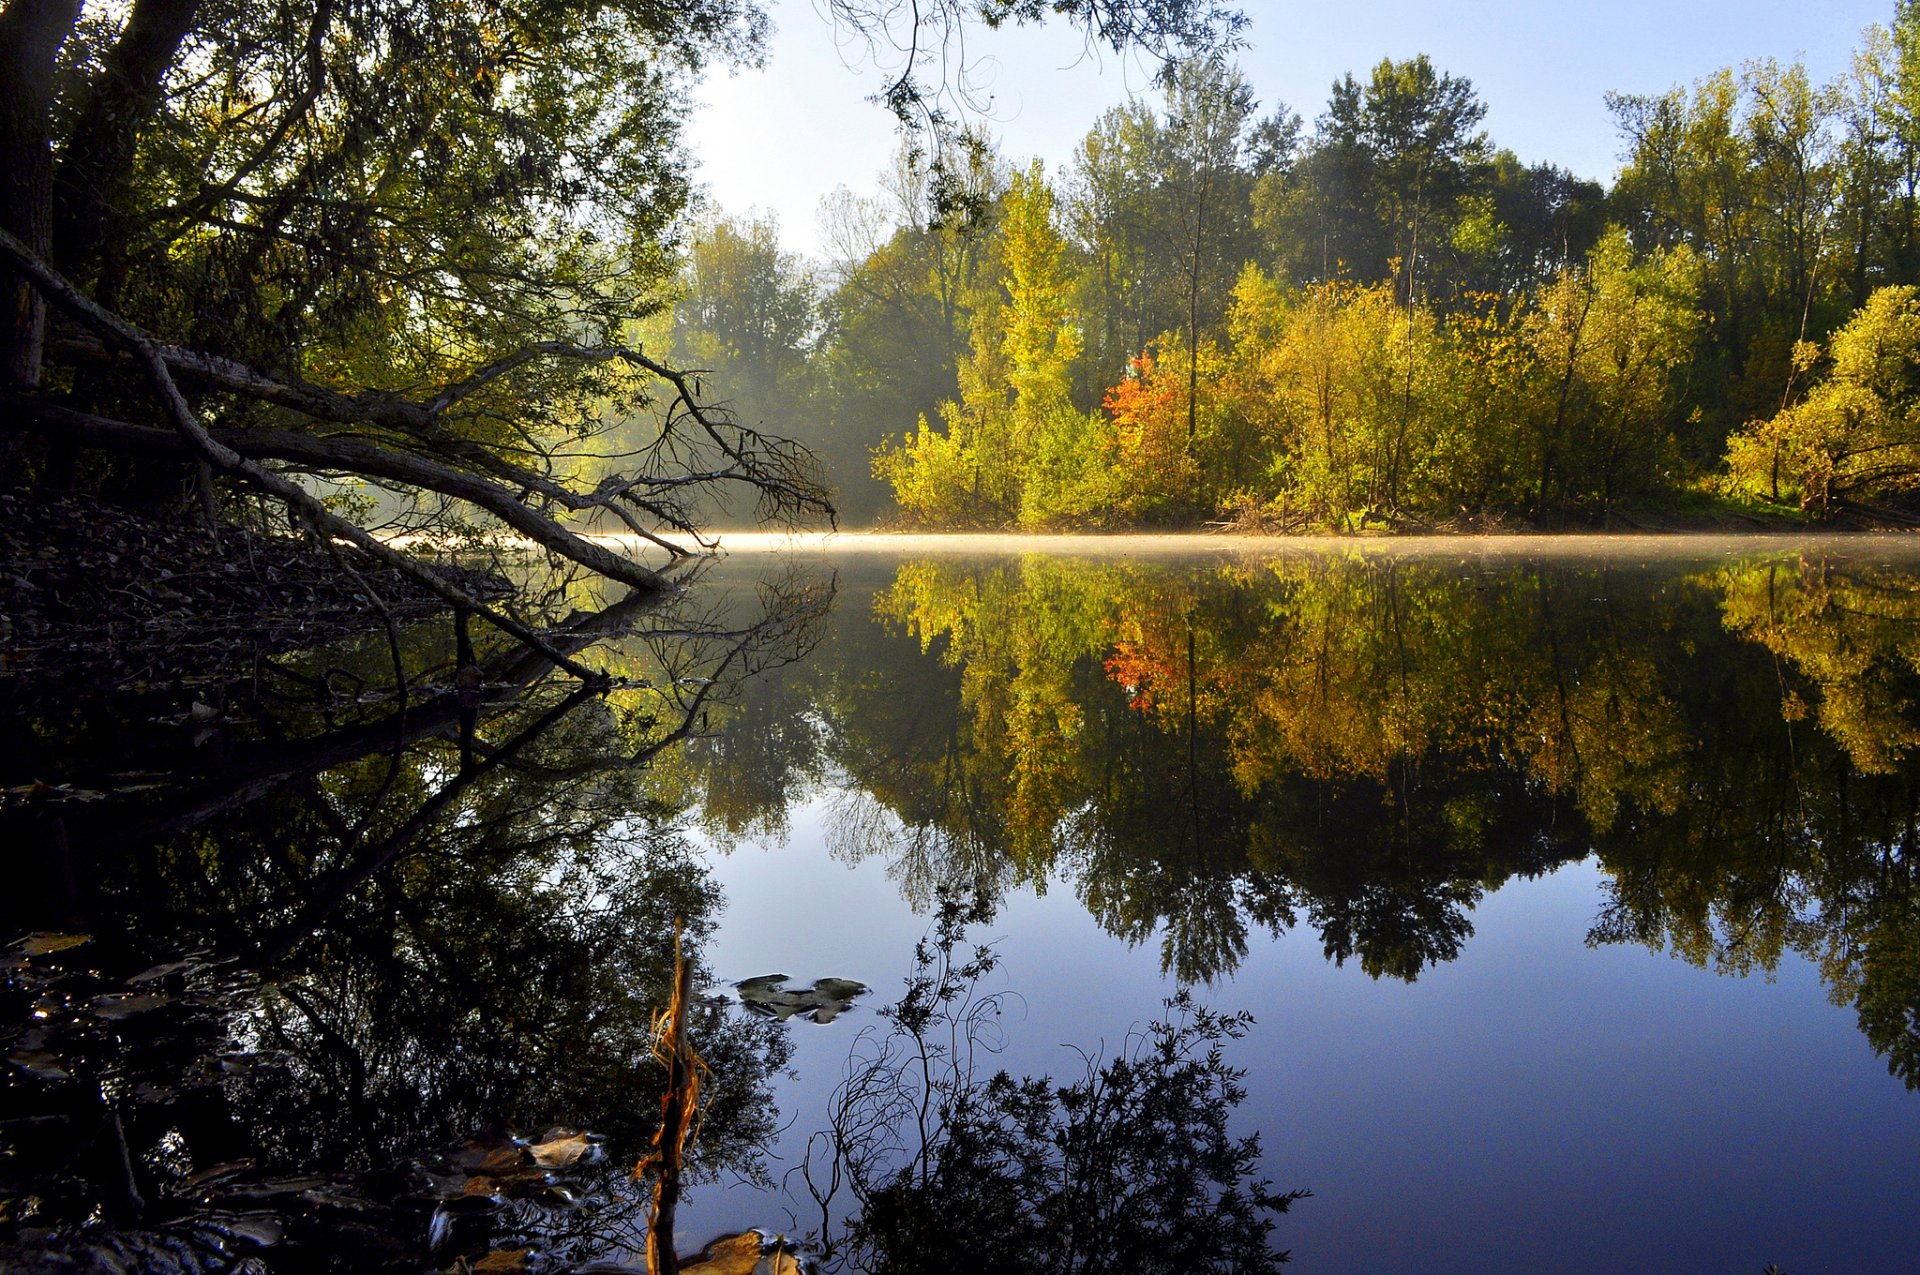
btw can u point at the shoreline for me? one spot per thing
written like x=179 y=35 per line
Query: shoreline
x=1669 y=544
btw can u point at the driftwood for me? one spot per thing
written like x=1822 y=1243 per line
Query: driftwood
x=678 y=1107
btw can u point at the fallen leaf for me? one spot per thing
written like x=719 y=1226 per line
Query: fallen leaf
x=43 y=944
x=822 y=1002
x=561 y=1152
x=748 y=1253
x=729 y=1255
x=38 y=1063
x=503 y=1160
x=118 y=1005
x=158 y=971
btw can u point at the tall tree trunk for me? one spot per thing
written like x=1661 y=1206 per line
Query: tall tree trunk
x=31 y=32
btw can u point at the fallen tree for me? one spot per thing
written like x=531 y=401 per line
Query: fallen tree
x=274 y=246
x=778 y=470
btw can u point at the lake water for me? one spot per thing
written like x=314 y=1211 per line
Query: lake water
x=1570 y=886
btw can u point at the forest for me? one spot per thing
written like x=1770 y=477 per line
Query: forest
x=1214 y=312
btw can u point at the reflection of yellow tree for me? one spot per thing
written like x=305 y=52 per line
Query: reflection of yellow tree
x=1346 y=673
x=1853 y=633
x=1370 y=742
x=1016 y=635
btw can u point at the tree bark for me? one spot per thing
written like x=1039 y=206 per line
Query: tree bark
x=31 y=32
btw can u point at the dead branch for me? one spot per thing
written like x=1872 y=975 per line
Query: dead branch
x=777 y=467
x=678 y=1106
x=348 y=454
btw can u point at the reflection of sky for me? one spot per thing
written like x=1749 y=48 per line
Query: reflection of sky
x=1536 y=1104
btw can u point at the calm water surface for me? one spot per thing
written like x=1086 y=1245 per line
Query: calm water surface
x=1572 y=894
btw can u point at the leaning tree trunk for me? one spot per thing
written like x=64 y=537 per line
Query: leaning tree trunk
x=31 y=32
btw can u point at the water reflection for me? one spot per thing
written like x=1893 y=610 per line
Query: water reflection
x=1367 y=745
x=306 y=959
x=361 y=980
x=1131 y=1165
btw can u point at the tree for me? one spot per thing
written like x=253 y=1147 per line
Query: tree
x=1418 y=127
x=403 y=242
x=905 y=274
x=1535 y=221
x=1014 y=449
x=1381 y=185
x=749 y=321
x=1160 y=206
x=378 y=240
x=1857 y=435
x=748 y=316
x=1209 y=107
x=1606 y=340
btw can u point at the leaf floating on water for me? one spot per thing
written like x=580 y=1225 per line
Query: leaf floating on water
x=158 y=972
x=821 y=1003
x=118 y=1005
x=271 y=1189
x=263 y=1230
x=764 y=983
x=44 y=944
x=748 y=1253
x=562 y=1152
x=39 y=1064
x=39 y=791
x=502 y=1261
x=503 y=1159
x=218 y=1172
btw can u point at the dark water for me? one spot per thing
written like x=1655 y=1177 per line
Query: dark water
x=1573 y=899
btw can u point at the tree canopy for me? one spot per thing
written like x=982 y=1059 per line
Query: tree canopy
x=1378 y=317
x=304 y=251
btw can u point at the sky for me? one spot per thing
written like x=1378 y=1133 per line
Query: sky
x=779 y=139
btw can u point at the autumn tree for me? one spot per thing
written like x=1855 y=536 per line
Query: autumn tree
x=1160 y=208
x=748 y=320
x=1383 y=183
x=406 y=243
x=1856 y=437
x=1011 y=447
x=904 y=272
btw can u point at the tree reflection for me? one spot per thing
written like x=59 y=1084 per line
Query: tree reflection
x=1130 y=1166
x=1369 y=744
x=427 y=917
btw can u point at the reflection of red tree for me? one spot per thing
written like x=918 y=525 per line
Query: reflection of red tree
x=1135 y=671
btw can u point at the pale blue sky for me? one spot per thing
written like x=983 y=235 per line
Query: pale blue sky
x=780 y=138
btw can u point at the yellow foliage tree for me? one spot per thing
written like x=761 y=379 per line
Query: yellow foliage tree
x=1856 y=436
